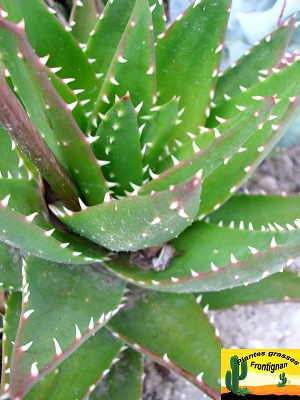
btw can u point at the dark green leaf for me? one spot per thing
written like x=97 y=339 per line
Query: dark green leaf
x=119 y=145
x=51 y=293
x=258 y=61
x=76 y=376
x=136 y=222
x=132 y=68
x=278 y=287
x=50 y=113
x=258 y=211
x=61 y=46
x=187 y=59
x=212 y=258
x=124 y=380
x=173 y=330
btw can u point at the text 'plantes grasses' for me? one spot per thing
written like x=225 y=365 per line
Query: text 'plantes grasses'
x=122 y=149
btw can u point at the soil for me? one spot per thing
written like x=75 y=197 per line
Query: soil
x=252 y=326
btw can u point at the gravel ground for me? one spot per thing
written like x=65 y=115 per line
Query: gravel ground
x=258 y=326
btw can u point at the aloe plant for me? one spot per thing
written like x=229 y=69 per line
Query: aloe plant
x=123 y=149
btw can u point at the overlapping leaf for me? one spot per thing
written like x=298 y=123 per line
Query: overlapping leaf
x=128 y=369
x=283 y=286
x=236 y=132
x=23 y=226
x=36 y=355
x=146 y=325
x=183 y=70
x=119 y=146
x=258 y=61
x=211 y=258
x=49 y=113
x=255 y=211
x=239 y=167
x=136 y=222
x=129 y=65
x=95 y=357
x=61 y=46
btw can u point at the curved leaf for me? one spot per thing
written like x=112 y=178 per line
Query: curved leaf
x=225 y=145
x=44 y=302
x=50 y=114
x=212 y=258
x=136 y=222
x=259 y=60
x=283 y=286
x=119 y=146
x=193 y=350
x=10 y=268
x=132 y=67
x=239 y=167
x=194 y=40
x=19 y=126
x=67 y=381
x=61 y=46
x=128 y=369
x=19 y=231
x=255 y=211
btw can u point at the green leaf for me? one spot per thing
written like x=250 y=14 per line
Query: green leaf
x=223 y=147
x=31 y=199
x=137 y=222
x=187 y=58
x=156 y=132
x=12 y=319
x=239 y=167
x=130 y=370
x=10 y=268
x=119 y=145
x=102 y=47
x=158 y=17
x=83 y=19
x=67 y=381
x=16 y=122
x=70 y=97
x=132 y=67
x=258 y=61
x=44 y=302
x=283 y=286
x=10 y=161
x=31 y=217
x=19 y=231
x=50 y=114
x=61 y=46
x=173 y=330
x=283 y=83
x=213 y=258
x=255 y=211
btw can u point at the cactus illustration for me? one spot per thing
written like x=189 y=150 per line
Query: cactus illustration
x=283 y=380
x=238 y=372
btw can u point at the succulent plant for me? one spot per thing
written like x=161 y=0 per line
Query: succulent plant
x=123 y=149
